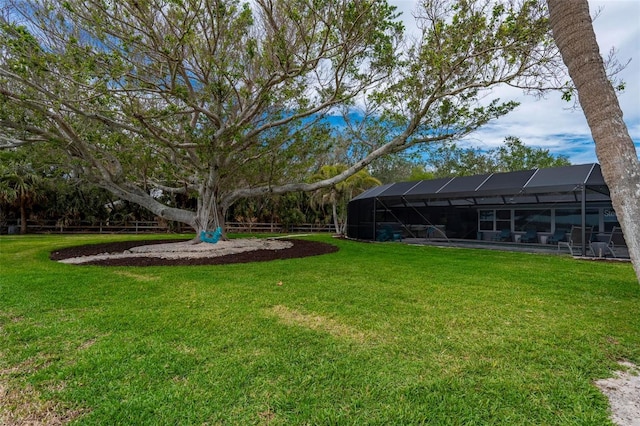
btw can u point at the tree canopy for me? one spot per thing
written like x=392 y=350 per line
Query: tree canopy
x=338 y=195
x=221 y=100
x=513 y=155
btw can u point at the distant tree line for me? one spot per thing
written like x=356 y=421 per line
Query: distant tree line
x=32 y=187
x=450 y=159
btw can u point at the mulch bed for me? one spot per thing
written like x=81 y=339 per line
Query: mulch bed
x=300 y=248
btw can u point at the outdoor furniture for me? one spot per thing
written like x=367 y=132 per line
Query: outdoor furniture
x=558 y=235
x=418 y=231
x=388 y=233
x=600 y=249
x=616 y=241
x=504 y=235
x=575 y=239
x=436 y=231
x=211 y=237
x=531 y=236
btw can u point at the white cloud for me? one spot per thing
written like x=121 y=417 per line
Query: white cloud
x=549 y=123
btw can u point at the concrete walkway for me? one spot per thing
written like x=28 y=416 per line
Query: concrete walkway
x=506 y=246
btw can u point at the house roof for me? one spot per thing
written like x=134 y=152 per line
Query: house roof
x=526 y=186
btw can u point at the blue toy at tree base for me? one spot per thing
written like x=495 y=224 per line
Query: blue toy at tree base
x=211 y=236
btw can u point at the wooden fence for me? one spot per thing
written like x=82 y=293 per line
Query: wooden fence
x=141 y=227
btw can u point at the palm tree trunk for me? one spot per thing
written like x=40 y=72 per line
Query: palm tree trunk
x=576 y=40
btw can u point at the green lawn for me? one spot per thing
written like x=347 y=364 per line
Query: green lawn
x=373 y=334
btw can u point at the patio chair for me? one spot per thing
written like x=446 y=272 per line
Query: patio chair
x=395 y=234
x=387 y=233
x=575 y=239
x=504 y=235
x=558 y=235
x=616 y=242
x=531 y=236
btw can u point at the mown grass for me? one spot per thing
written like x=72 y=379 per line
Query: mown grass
x=372 y=334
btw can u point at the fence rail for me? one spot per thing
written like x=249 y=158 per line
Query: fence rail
x=277 y=227
x=141 y=227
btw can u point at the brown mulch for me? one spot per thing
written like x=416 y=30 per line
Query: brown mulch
x=300 y=248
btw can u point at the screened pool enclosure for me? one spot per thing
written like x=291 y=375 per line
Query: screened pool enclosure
x=532 y=206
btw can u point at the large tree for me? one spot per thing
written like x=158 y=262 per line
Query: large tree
x=222 y=100
x=574 y=35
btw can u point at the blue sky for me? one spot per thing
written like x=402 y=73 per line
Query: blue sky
x=549 y=123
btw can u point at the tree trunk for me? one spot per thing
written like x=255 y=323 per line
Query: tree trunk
x=336 y=223
x=23 y=216
x=210 y=214
x=576 y=40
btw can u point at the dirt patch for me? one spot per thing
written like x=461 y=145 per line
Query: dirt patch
x=25 y=407
x=319 y=323
x=181 y=253
x=623 y=392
